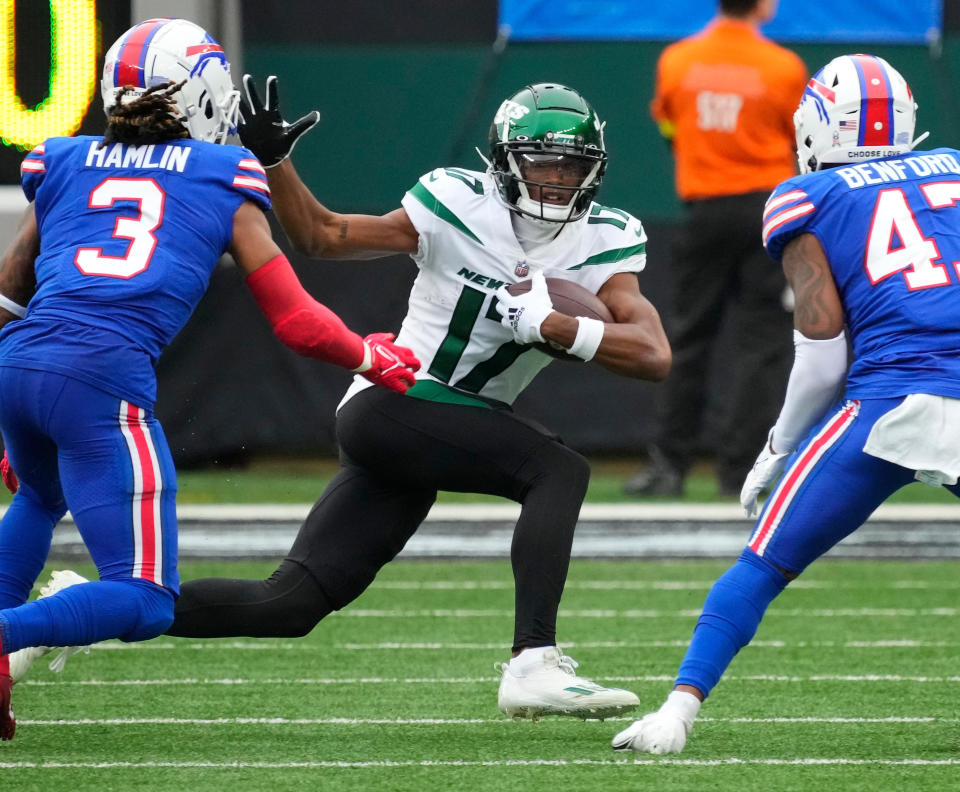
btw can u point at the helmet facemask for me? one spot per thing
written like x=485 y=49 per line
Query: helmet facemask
x=552 y=185
x=547 y=153
x=209 y=102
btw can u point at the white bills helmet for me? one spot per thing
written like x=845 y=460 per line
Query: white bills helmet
x=856 y=108
x=158 y=51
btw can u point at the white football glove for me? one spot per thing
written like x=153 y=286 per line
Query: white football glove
x=524 y=313
x=663 y=731
x=767 y=469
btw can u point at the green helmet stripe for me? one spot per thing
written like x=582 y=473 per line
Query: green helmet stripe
x=430 y=201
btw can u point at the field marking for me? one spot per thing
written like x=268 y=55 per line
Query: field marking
x=267 y=645
x=609 y=613
x=470 y=680
x=651 y=585
x=436 y=721
x=818 y=761
x=895 y=643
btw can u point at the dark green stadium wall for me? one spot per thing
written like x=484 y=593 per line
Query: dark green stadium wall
x=389 y=115
x=393 y=113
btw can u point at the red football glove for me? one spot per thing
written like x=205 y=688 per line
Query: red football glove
x=9 y=477
x=386 y=364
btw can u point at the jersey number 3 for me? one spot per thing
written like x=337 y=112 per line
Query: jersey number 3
x=148 y=196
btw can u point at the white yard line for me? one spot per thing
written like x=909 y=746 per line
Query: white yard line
x=655 y=585
x=236 y=682
x=605 y=613
x=433 y=721
x=817 y=761
x=265 y=645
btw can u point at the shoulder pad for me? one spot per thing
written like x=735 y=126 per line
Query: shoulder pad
x=614 y=236
x=789 y=210
x=249 y=177
x=455 y=183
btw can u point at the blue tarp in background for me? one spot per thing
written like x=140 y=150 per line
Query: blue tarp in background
x=876 y=21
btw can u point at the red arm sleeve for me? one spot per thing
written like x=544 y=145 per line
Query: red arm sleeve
x=299 y=321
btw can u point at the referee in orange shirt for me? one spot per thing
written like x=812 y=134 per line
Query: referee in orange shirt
x=725 y=99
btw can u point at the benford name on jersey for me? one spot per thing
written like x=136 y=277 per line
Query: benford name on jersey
x=883 y=171
x=121 y=155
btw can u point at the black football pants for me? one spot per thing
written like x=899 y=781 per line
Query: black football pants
x=396 y=453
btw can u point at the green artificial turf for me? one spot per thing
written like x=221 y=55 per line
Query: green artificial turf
x=851 y=684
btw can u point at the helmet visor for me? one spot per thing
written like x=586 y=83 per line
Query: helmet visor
x=555 y=178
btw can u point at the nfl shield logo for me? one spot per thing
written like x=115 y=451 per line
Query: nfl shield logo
x=522 y=270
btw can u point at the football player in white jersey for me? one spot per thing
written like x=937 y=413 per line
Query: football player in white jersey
x=531 y=213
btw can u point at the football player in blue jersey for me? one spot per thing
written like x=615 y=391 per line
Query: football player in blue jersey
x=114 y=252
x=869 y=238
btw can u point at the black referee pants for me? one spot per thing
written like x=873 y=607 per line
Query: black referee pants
x=720 y=267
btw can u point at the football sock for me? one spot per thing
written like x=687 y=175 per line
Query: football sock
x=731 y=614
x=528 y=659
x=131 y=610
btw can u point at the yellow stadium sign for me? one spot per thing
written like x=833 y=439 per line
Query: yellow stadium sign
x=73 y=77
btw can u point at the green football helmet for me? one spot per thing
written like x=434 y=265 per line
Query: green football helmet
x=547 y=153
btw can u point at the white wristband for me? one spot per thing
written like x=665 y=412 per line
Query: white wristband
x=367 y=361
x=589 y=336
x=15 y=308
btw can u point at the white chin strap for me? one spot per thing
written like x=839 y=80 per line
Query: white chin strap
x=543 y=212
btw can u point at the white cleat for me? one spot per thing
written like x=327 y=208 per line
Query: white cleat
x=663 y=731
x=550 y=686
x=23 y=659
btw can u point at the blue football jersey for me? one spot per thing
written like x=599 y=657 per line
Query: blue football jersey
x=129 y=236
x=890 y=229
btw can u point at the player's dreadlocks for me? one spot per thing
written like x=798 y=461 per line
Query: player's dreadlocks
x=150 y=118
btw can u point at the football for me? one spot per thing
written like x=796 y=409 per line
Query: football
x=571 y=299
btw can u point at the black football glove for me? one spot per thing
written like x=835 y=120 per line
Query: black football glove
x=261 y=128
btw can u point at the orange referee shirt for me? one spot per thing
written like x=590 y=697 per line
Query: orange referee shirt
x=726 y=97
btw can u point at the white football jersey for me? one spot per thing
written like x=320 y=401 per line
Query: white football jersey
x=467 y=250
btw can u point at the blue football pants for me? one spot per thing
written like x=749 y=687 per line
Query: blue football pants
x=828 y=489
x=75 y=446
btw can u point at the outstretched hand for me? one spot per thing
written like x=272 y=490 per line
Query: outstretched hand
x=263 y=130
x=387 y=364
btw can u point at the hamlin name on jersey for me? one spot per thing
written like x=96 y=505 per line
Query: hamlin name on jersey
x=120 y=155
x=129 y=236
x=890 y=229
x=467 y=250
